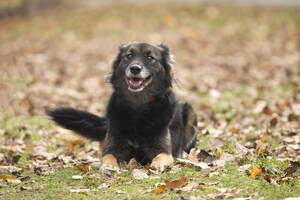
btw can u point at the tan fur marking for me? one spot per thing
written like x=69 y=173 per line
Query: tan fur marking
x=109 y=160
x=161 y=161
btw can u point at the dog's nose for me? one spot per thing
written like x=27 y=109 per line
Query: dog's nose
x=135 y=69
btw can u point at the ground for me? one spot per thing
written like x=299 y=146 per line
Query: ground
x=238 y=66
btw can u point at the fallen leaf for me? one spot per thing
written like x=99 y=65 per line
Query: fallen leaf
x=219 y=151
x=104 y=186
x=241 y=150
x=9 y=169
x=255 y=171
x=159 y=189
x=77 y=177
x=6 y=177
x=72 y=144
x=201 y=165
x=139 y=174
x=270 y=180
x=79 y=190
x=169 y=19
x=84 y=167
x=205 y=156
x=26 y=188
x=234 y=130
x=27 y=105
x=273 y=121
x=267 y=110
x=177 y=183
x=292 y=168
x=190 y=187
x=193 y=155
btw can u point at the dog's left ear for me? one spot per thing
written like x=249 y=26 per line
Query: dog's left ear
x=167 y=61
x=167 y=57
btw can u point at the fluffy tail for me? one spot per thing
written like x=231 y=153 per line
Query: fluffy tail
x=83 y=123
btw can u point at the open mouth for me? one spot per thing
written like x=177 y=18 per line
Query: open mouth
x=137 y=84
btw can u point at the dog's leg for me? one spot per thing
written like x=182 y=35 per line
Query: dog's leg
x=190 y=126
x=159 y=152
x=110 y=162
x=115 y=153
x=161 y=161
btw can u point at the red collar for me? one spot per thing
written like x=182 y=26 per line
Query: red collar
x=151 y=99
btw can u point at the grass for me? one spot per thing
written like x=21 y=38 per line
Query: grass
x=58 y=184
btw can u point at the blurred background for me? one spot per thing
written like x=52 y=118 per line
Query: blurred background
x=232 y=56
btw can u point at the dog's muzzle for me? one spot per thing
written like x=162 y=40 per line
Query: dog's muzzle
x=137 y=77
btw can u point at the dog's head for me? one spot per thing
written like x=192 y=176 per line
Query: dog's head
x=142 y=69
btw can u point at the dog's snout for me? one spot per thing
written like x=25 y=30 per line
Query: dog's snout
x=135 y=69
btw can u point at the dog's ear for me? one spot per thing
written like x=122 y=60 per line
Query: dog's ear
x=167 y=57
x=167 y=61
x=117 y=60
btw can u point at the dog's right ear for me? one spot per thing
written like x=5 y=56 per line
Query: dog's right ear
x=119 y=53
x=117 y=60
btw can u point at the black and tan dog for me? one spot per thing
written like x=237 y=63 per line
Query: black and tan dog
x=144 y=120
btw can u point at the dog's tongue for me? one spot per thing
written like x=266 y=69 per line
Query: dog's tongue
x=135 y=82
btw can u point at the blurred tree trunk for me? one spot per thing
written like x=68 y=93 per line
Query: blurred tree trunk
x=27 y=7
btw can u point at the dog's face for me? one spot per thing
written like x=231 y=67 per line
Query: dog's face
x=142 y=69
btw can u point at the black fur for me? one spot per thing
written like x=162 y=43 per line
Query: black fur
x=138 y=124
x=84 y=123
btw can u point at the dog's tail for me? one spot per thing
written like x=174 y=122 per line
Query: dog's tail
x=83 y=123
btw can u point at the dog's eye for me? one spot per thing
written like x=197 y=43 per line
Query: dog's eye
x=129 y=56
x=150 y=58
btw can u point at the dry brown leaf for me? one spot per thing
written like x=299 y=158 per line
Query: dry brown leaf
x=234 y=130
x=72 y=144
x=159 y=189
x=263 y=137
x=255 y=171
x=168 y=19
x=270 y=180
x=6 y=177
x=84 y=167
x=292 y=168
x=27 y=105
x=177 y=183
x=205 y=156
x=267 y=110
x=273 y=121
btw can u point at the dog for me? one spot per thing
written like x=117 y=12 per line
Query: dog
x=144 y=120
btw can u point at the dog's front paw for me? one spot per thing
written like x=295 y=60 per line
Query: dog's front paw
x=109 y=163
x=161 y=161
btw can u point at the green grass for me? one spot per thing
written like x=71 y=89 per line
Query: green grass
x=58 y=184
